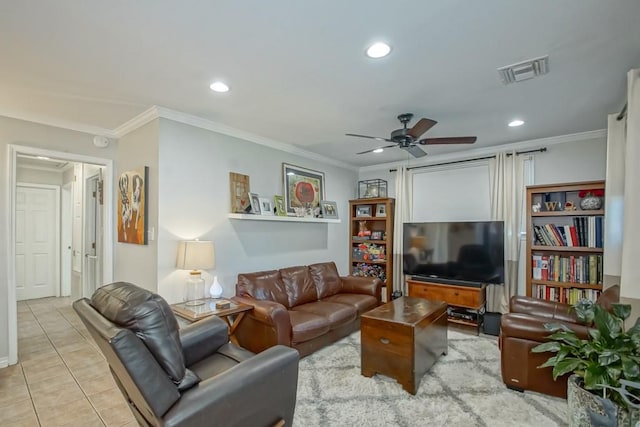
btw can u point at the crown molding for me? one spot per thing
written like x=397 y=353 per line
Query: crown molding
x=59 y=123
x=492 y=150
x=199 y=122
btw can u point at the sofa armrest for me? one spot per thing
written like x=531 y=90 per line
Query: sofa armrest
x=554 y=311
x=267 y=325
x=362 y=285
x=526 y=327
x=203 y=338
x=224 y=398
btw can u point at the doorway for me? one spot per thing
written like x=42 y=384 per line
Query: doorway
x=101 y=244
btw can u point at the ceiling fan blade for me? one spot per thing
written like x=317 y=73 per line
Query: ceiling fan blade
x=414 y=151
x=371 y=151
x=451 y=140
x=421 y=127
x=379 y=138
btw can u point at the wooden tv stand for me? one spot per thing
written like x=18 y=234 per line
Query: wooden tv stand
x=456 y=296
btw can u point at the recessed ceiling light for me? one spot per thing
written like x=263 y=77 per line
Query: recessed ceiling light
x=515 y=123
x=378 y=150
x=378 y=50
x=219 y=87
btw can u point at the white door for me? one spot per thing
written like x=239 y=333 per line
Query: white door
x=37 y=237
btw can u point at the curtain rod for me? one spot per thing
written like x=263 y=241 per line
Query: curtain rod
x=622 y=113
x=537 y=150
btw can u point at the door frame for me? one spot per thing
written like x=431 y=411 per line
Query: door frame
x=107 y=244
x=56 y=189
x=66 y=212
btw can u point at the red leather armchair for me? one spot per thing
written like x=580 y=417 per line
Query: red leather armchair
x=523 y=328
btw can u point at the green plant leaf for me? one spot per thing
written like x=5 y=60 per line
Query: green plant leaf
x=568 y=337
x=584 y=309
x=553 y=327
x=623 y=311
x=607 y=357
x=567 y=365
x=547 y=346
x=608 y=325
x=630 y=367
x=594 y=377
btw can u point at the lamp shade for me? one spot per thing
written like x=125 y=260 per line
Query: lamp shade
x=196 y=255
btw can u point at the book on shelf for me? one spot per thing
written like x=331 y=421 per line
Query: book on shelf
x=585 y=269
x=565 y=295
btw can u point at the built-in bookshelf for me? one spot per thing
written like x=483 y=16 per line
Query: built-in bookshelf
x=564 y=242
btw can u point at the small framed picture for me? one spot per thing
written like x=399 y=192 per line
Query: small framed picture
x=255 y=203
x=329 y=209
x=265 y=206
x=280 y=206
x=381 y=209
x=363 y=210
x=376 y=235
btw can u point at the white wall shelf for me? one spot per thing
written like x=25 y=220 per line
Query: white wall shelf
x=281 y=218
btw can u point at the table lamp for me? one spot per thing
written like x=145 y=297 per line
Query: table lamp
x=195 y=255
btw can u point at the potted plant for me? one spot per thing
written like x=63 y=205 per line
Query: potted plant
x=608 y=355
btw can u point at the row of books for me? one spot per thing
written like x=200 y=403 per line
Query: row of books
x=585 y=232
x=574 y=269
x=564 y=295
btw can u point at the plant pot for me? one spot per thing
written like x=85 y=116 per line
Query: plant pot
x=590 y=203
x=580 y=402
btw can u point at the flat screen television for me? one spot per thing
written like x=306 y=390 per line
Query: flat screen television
x=454 y=252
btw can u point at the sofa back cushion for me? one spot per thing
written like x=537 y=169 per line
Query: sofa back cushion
x=325 y=276
x=301 y=288
x=148 y=316
x=264 y=286
x=609 y=296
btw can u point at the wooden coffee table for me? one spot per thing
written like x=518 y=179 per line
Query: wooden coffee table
x=403 y=338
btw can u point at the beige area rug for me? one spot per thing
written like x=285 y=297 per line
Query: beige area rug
x=463 y=388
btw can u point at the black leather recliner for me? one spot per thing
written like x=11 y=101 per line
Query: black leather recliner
x=188 y=377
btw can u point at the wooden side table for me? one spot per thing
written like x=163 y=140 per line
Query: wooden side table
x=232 y=315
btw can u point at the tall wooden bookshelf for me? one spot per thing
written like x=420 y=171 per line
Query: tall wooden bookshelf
x=371 y=240
x=564 y=243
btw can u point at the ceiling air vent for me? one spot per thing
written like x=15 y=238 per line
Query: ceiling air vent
x=524 y=70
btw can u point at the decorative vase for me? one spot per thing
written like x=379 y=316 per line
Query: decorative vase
x=590 y=203
x=216 y=289
x=582 y=402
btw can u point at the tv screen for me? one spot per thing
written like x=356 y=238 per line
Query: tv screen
x=455 y=251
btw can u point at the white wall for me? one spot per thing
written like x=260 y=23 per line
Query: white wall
x=38 y=176
x=194 y=202
x=29 y=134
x=138 y=263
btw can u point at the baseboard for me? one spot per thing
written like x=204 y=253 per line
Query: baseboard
x=4 y=362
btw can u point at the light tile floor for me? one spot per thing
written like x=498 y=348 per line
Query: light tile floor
x=61 y=379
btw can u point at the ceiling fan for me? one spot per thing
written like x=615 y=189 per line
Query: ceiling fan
x=407 y=139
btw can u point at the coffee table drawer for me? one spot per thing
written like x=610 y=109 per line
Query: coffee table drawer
x=389 y=338
x=455 y=296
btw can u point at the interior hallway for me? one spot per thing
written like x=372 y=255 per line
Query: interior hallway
x=61 y=379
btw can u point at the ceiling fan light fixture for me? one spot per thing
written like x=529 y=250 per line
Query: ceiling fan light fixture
x=378 y=50
x=219 y=87
x=378 y=150
x=516 y=123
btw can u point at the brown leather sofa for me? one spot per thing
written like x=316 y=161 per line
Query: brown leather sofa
x=523 y=328
x=304 y=307
x=188 y=377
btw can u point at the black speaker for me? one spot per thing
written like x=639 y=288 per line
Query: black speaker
x=492 y=323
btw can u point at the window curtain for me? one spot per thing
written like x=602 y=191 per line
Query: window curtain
x=404 y=208
x=506 y=177
x=630 y=273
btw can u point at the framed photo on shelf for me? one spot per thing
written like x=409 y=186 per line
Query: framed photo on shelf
x=329 y=209
x=376 y=235
x=239 y=190
x=303 y=188
x=364 y=210
x=265 y=206
x=255 y=203
x=381 y=210
x=279 y=203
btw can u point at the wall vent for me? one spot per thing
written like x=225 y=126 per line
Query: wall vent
x=524 y=70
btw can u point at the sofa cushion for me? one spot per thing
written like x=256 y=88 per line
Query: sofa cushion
x=264 y=286
x=325 y=276
x=361 y=302
x=149 y=316
x=337 y=314
x=306 y=326
x=299 y=285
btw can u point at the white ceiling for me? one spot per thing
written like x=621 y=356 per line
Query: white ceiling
x=298 y=73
